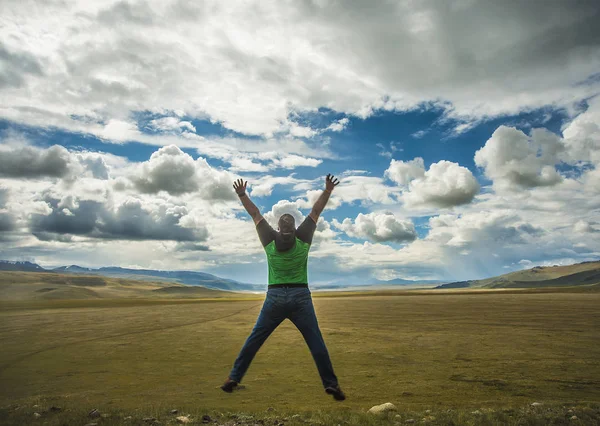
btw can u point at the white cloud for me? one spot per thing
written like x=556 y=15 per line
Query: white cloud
x=378 y=227
x=280 y=208
x=582 y=135
x=293 y=161
x=247 y=66
x=445 y=184
x=301 y=131
x=513 y=161
x=402 y=172
x=265 y=185
x=480 y=229
x=583 y=227
x=171 y=124
x=419 y=134
x=338 y=125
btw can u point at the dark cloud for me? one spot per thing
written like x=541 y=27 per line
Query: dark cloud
x=189 y=246
x=7 y=223
x=14 y=67
x=169 y=169
x=172 y=170
x=30 y=162
x=130 y=221
x=3 y=197
x=127 y=13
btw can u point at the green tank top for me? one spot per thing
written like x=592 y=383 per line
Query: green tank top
x=290 y=266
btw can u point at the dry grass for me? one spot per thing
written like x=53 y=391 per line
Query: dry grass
x=460 y=351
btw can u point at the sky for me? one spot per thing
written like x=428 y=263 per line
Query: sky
x=465 y=134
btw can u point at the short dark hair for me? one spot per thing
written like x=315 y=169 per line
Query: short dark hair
x=287 y=223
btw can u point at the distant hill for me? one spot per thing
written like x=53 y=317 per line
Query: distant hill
x=350 y=283
x=9 y=265
x=579 y=274
x=400 y=281
x=28 y=286
x=180 y=277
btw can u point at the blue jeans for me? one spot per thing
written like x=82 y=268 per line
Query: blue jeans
x=296 y=305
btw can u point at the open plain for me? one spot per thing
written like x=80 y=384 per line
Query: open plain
x=461 y=350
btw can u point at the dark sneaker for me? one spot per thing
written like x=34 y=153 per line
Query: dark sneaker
x=229 y=385
x=337 y=393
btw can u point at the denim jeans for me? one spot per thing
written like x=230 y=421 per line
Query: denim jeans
x=296 y=305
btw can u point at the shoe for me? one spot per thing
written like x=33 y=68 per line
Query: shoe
x=337 y=393
x=229 y=385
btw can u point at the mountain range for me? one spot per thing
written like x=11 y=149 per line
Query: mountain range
x=181 y=277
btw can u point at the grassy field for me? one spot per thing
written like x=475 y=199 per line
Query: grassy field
x=471 y=353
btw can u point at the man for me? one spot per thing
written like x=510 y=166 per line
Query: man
x=288 y=295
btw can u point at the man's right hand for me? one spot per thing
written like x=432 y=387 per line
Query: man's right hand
x=331 y=182
x=240 y=187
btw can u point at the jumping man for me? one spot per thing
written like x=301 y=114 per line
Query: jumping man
x=288 y=295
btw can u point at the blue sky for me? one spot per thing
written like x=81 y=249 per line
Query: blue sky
x=123 y=128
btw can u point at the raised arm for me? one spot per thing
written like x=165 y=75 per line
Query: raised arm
x=240 y=189
x=330 y=184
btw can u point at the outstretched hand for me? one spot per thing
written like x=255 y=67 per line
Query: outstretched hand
x=331 y=182
x=240 y=187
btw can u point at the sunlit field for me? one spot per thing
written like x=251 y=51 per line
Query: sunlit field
x=422 y=352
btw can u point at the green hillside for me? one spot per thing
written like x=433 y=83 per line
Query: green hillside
x=28 y=286
x=580 y=274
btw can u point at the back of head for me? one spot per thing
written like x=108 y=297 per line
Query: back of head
x=287 y=224
x=286 y=237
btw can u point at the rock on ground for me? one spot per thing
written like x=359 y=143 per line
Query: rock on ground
x=383 y=408
x=183 y=419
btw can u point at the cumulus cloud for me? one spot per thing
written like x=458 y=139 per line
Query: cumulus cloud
x=32 y=162
x=513 y=160
x=280 y=208
x=169 y=169
x=95 y=164
x=172 y=170
x=378 y=227
x=131 y=220
x=21 y=160
x=582 y=135
x=402 y=172
x=323 y=232
x=445 y=184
